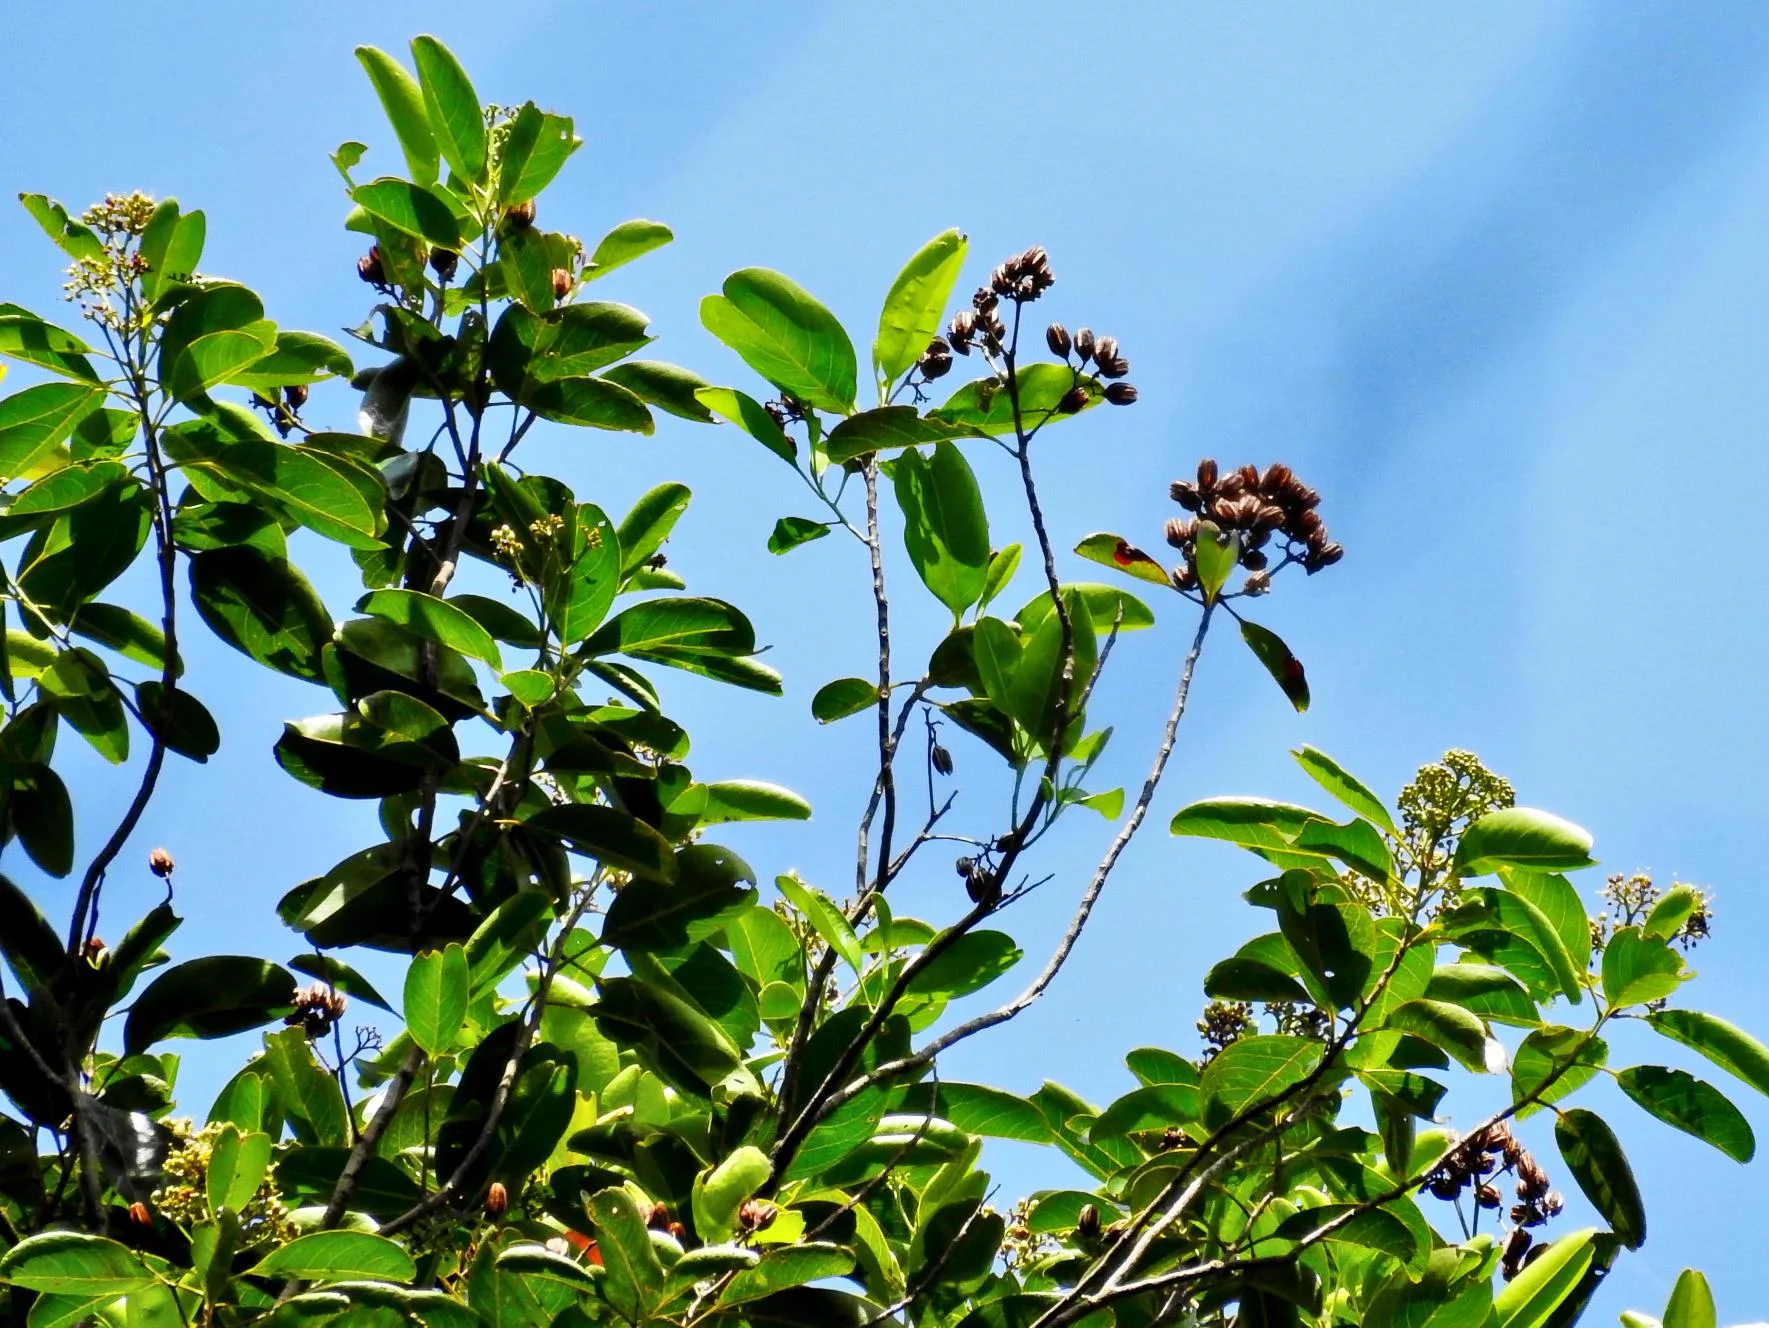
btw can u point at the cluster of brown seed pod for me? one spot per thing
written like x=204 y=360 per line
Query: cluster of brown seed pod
x=1476 y=1163
x=1255 y=505
x=317 y=1008
x=1021 y=279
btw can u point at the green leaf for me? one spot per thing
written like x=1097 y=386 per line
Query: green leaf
x=608 y=835
x=1255 y=1069
x=130 y=636
x=678 y=623
x=1594 y=1156
x=73 y=238
x=1691 y=1304
x=1522 y=837
x=749 y=415
x=43 y=818
x=1560 y=1058
x=1507 y=928
x=841 y=698
x=986 y=406
x=752 y=800
x=262 y=607
x=969 y=964
x=1152 y=1107
x=336 y=1256
x=791 y=531
x=823 y=915
x=1686 y=1103
x=944 y=525
x=1109 y=804
x=1672 y=911
x=74 y=1263
x=1446 y=1026
x=452 y=108
x=410 y=209
x=644 y=529
x=780 y=1269
x=403 y=101
x=915 y=305
x=237 y=1165
x=720 y=1191
x=711 y=885
x=1217 y=553
x=593 y=403
x=34 y=422
x=668 y=387
x=633 y=1274
x=1638 y=968
x=310 y=1096
x=1555 y=898
x=434 y=620
x=438 y=987
x=1486 y=991
x=786 y=336
x=30 y=944
x=1530 y=1299
x=979 y=1109
x=537 y=147
x=24 y=336
x=1110 y=550
x=627 y=241
x=1726 y=1045
x=509 y=933
x=208 y=998
x=171 y=246
x=299 y=358
x=1286 y=670
x=1255 y=823
x=1106 y=606
x=334 y=972
x=887 y=427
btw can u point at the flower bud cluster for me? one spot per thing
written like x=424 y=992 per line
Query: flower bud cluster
x=317 y=1008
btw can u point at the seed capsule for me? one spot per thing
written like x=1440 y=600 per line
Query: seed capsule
x=160 y=863
x=1120 y=394
x=139 y=1214
x=520 y=216
x=1185 y=493
x=369 y=268
x=1056 y=336
x=443 y=263
x=1084 y=344
x=295 y=395
x=563 y=281
x=941 y=759
x=497 y=1199
x=1074 y=400
x=1087 y=1222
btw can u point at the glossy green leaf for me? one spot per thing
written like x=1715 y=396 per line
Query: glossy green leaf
x=752 y=800
x=679 y=623
x=336 y=1256
x=788 y=1266
x=1638 y=968
x=171 y=246
x=1726 y=1045
x=75 y=1263
x=1255 y=823
x=508 y=934
x=944 y=525
x=1486 y=991
x=986 y=405
x=668 y=387
x=307 y=1093
x=644 y=529
x=979 y=1109
x=34 y=422
x=1522 y=837
x=1257 y=1069
x=843 y=697
x=609 y=835
x=1554 y=1061
x=1531 y=1298
x=886 y=428
x=749 y=415
x=208 y=998
x=1107 y=606
x=74 y=238
x=791 y=531
x=627 y=241
x=829 y=921
x=435 y=620
x=1446 y=1026
x=786 y=336
x=673 y=1038
x=237 y=1165
x=26 y=337
x=262 y=607
x=593 y=403
x=538 y=145
x=633 y=1275
x=411 y=210
x=915 y=305
x=403 y=101
x=452 y=108
x=43 y=818
x=1691 y=1304
x=720 y=1191
x=1686 y=1103
x=711 y=885
x=437 y=989
x=969 y=964
x=1594 y=1156
x=1217 y=554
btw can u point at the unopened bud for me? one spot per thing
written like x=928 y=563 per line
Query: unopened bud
x=1056 y=336
x=160 y=863
x=139 y=1214
x=443 y=263
x=1074 y=401
x=563 y=281
x=497 y=1199
x=520 y=216
x=1120 y=394
x=1087 y=1222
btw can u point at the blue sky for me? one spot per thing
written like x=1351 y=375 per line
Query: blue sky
x=1489 y=276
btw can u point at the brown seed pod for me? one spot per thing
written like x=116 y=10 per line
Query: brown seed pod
x=443 y=263
x=519 y=216
x=1087 y=1223
x=563 y=281
x=139 y=1214
x=369 y=268
x=1185 y=493
x=941 y=759
x=1120 y=394
x=1074 y=401
x=497 y=1199
x=1056 y=336
x=295 y=395
x=1084 y=344
x=160 y=863
x=756 y=1215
